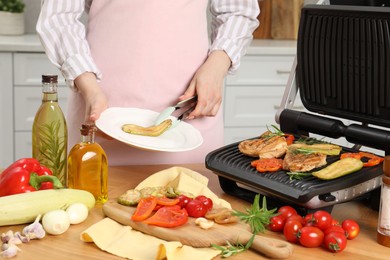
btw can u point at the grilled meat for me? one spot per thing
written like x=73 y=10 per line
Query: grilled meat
x=264 y=147
x=302 y=162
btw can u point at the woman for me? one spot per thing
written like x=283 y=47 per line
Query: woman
x=149 y=55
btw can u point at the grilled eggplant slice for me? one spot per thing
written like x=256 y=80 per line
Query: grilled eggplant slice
x=155 y=130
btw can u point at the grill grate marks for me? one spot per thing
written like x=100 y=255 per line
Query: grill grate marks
x=344 y=63
x=229 y=162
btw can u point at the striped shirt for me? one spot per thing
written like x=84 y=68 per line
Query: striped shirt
x=63 y=36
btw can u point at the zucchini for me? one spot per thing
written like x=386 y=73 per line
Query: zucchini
x=328 y=149
x=339 y=168
x=25 y=207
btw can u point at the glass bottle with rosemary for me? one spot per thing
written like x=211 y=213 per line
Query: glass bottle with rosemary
x=88 y=165
x=49 y=133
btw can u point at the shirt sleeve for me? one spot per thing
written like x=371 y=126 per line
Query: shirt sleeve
x=232 y=25
x=63 y=37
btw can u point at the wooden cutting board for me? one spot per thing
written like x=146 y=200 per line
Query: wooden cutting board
x=285 y=18
x=192 y=235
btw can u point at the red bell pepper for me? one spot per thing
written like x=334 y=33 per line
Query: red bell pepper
x=27 y=175
x=168 y=216
x=144 y=208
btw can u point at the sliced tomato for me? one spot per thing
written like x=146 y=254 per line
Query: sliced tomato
x=254 y=163
x=269 y=164
x=144 y=208
x=167 y=201
x=170 y=216
x=289 y=138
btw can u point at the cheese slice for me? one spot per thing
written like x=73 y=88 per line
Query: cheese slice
x=183 y=179
x=126 y=242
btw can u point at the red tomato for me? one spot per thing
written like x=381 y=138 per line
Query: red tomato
x=309 y=220
x=297 y=217
x=207 y=202
x=323 y=219
x=310 y=236
x=287 y=211
x=289 y=138
x=351 y=228
x=183 y=200
x=196 y=209
x=334 y=229
x=277 y=223
x=291 y=229
x=335 y=222
x=335 y=242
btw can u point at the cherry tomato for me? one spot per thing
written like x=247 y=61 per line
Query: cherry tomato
x=323 y=219
x=309 y=220
x=335 y=222
x=207 y=202
x=287 y=211
x=183 y=200
x=334 y=229
x=277 y=223
x=310 y=236
x=291 y=229
x=196 y=209
x=296 y=217
x=351 y=228
x=335 y=241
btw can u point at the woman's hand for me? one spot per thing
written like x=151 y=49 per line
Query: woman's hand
x=207 y=83
x=95 y=99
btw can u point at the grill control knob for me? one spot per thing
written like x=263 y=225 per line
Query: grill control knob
x=327 y=197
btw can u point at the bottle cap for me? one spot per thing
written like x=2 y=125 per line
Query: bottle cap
x=49 y=79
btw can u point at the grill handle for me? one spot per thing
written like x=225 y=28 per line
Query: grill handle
x=302 y=123
x=368 y=136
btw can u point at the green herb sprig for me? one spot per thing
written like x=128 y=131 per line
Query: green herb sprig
x=230 y=249
x=257 y=217
x=273 y=132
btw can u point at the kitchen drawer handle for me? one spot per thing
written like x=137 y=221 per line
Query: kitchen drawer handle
x=283 y=71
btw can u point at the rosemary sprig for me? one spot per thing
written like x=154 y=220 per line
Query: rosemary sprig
x=298 y=175
x=231 y=249
x=303 y=151
x=257 y=218
x=310 y=140
x=273 y=132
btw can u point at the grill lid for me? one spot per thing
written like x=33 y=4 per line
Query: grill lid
x=343 y=62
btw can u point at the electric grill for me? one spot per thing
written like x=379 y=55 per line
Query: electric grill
x=342 y=74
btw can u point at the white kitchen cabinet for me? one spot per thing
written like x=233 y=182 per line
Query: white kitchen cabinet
x=21 y=94
x=253 y=95
x=28 y=70
x=6 y=112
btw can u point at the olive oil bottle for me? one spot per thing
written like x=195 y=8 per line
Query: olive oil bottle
x=50 y=133
x=88 y=165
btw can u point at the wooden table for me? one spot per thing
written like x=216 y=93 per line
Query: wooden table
x=69 y=246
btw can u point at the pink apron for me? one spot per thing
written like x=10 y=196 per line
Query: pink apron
x=148 y=51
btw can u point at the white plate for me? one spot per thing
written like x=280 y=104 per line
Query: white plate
x=183 y=137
